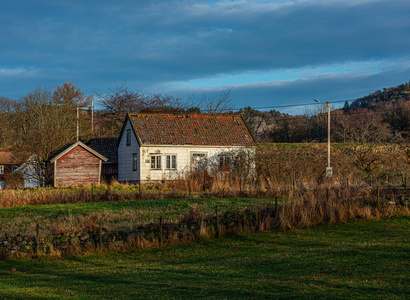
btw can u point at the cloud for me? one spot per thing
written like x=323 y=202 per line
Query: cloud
x=155 y=44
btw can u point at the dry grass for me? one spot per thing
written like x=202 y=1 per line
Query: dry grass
x=301 y=214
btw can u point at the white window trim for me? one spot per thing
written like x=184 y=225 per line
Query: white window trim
x=192 y=162
x=171 y=162
x=156 y=161
x=1 y=169
x=225 y=159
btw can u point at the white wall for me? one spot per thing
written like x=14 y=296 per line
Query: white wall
x=183 y=154
x=31 y=177
x=125 y=172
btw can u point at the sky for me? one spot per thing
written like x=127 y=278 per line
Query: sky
x=266 y=53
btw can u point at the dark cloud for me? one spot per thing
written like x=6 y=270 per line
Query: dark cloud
x=100 y=44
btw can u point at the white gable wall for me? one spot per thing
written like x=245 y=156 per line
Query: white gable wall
x=125 y=157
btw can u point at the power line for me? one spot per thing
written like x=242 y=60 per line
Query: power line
x=295 y=105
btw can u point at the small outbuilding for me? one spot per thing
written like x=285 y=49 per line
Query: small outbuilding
x=76 y=164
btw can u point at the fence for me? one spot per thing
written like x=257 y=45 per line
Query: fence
x=160 y=234
x=296 y=214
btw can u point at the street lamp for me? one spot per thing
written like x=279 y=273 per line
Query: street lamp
x=329 y=170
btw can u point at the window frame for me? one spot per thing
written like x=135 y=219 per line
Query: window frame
x=171 y=162
x=225 y=160
x=156 y=160
x=128 y=137
x=203 y=160
x=135 y=161
x=1 y=169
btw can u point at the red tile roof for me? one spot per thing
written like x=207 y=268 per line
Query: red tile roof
x=8 y=158
x=192 y=129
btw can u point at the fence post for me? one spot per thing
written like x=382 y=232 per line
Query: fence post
x=92 y=192
x=217 y=221
x=276 y=206
x=37 y=240
x=100 y=233
x=139 y=190
x=378 y=197
x=160 y=231
x=202 y=228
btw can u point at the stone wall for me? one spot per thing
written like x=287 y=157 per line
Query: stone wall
x=152 y=235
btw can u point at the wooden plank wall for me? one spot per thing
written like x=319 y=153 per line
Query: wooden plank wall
x=78 y=166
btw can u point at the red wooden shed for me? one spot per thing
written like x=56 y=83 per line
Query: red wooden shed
x=76 y=164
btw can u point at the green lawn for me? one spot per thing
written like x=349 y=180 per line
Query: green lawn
x=118 y=214
x=360 y=260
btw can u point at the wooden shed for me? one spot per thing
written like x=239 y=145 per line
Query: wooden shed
x=76 y=164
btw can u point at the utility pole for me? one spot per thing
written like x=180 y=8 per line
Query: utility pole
x=329 y=170
x=78 y=125
x=92 y=116
x=328 y=134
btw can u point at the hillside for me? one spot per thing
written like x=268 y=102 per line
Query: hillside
x=382 y=99
x=383 y=116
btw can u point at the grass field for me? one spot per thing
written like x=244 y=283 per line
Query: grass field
x=361 y=260
x=115 y=215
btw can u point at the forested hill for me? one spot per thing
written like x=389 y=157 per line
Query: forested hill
x=381 y=99
x=381 y=117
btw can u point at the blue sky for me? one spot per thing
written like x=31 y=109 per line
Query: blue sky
x=266 y=52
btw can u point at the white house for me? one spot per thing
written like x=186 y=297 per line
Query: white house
x=166 y=146
x=31 y=175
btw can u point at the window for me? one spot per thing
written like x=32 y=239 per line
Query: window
x=225 y=160
x=198 y=161
x=134 y=162
x=156 y=162
x=1 y=169
x=128 y=137
x=171 y=162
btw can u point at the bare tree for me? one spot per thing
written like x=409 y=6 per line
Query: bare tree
x=6 y=114
x=117 y=102
x=45 y=120
x=218 y=104
x=361 y=126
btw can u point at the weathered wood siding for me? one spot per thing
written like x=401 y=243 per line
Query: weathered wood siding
x=78 y=166
x=109 y=172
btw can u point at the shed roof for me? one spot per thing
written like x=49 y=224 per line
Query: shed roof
x=191 y=129
x=107 y=147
